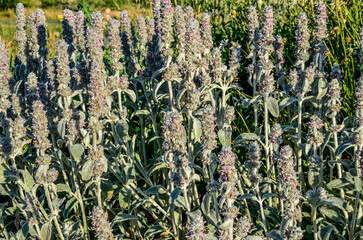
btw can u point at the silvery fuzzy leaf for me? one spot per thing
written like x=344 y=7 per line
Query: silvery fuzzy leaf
x=206 y=202
x=122 y=129
x=274 y=234
x=173 y=196
x=130 y=173
x=226 y=224
x=224 y=137
x=286 y=102
x=343 y=147
x=140 y=112
x=322 y=88
x=243 y=137
x=87 y=170
x=332 y=213
x=77 y=151
x=24 y=231
x=27 y=179
x=325 y=232
x=156 y=89
x=71 y=203
x=337 y=202
x=312 y=100
x=60 y=102
x=62 y=128
x=156 y=190
x=197 y=130
x=357 y=183
x=124 y=197
x=154 y=229
x=326 y=140
x=131 y=94
x=331 y=114
x=268 y=195
x=339 y=183
x=314 y=178
x=248 y=196
x=46 y=231
x=41 y=171
x=123 y=217
x=273 y=106
x=63 y=188
x=246 y=102
x=156 y=167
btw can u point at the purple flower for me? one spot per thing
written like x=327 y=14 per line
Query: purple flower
x=101 y=225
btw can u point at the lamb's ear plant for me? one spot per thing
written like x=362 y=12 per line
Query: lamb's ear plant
x=131 y=131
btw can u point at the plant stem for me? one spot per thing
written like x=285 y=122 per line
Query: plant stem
x=54 y=214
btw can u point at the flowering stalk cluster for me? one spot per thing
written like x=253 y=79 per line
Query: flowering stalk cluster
x=229 y=192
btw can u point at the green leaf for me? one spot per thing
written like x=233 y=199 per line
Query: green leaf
x=154 y=229
x=249 y=196
x=322 y=88
x=87 y=170
x=342 y=148
x=274 y=234
x=124 y=197
x=314 y=177
x=156 y=167
x=23 y=232
x=77 y=151
x=197 y=129
x=71 y=203
x=46 y=231
x=338 y=183
x=224 y=137
x=62 y=128
x=286 y=102
x=273 y=106
x=122 y=130
x=174 y=195
x=156 y=190
x=268 y=195
x=332 y=213
x=63 y=188
x=325 y=232
x=337 y=202
x=123 y=217
x=243 y=137
x=27 y=179
x=131 y=94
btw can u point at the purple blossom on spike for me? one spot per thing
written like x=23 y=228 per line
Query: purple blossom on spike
x=302 y=39
x=80 y=32
x=252 y=21
x=180 y=28
x=62 y=68
x=209 y=136
x=114 y=37
x=101 y=225
x=196 y=228
x=5 y=77
x=69 y=25
x=40 y=127
x=21 y=37
x=189 y=13
x=253 y=164
x=320 y=30
x=206 y=32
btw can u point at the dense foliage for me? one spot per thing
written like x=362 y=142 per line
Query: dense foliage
x=129 y=131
